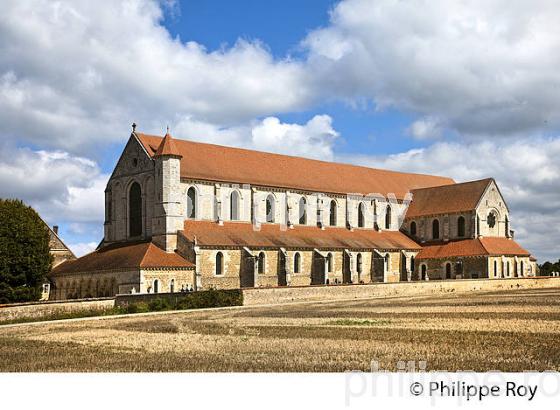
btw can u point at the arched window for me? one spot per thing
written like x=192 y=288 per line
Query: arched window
x=333 y=212
x=491 y=219
x=495 y=268
x=172 y=286
x=135 y=210
x=447 y=271
x=412 y=262
x=413 y=228
x=361 y=216
x=302 y=211
x=156 y=286
x=507 y=269
x=191 y=203
x=359 y=262
x=461 y=227
x=423 y=271
x=388 y=217
x=297 y=263
x=234 y=206
x=329 y=262
x=522 y=269
x=435 y=229
x=219 y=264
x=270 y=208
x=261 y=262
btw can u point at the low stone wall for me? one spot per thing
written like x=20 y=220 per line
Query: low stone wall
x=262 y=296
x=47 y=309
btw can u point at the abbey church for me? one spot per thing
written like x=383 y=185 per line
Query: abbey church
x=182 y=214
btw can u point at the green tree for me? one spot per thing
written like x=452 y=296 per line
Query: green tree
x=547 y=268
x=25 y=258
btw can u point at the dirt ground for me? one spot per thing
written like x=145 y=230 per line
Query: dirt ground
x=507 y=331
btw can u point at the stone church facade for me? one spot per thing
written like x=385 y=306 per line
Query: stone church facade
x=182 y=214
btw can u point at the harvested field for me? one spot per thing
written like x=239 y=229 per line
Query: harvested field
x=509 y=331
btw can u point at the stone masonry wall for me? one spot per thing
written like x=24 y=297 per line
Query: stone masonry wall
x=253 y=297
x=46 y=309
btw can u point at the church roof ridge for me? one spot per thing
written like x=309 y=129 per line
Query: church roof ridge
x=238 y=165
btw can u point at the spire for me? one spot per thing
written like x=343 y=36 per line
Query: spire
x=168 y=146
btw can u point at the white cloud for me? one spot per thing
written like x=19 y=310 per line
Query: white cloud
x=483 y=68
x=73 y=74
x=425 y=128
x=82 y=248
x=313 y=139
x=61 y=187
x=527 y=172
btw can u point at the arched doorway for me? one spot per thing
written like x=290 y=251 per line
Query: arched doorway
x=282 y=270
x=346 y=272
x=448 y=270
x=135 y=210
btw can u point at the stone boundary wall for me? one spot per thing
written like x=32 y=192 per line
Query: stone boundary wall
x=46 y=309
x=256 y=296
x=126 y=299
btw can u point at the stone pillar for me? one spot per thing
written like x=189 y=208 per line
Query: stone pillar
x=287 y=268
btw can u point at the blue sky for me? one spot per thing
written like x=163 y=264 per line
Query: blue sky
x=443 y=87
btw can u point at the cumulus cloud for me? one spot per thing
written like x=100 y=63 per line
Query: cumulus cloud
x=484 y=68
x=61 y=187
x=425 y=128
x=314 y=139
x=527 y=172
x=76 y=73
x=73 y=74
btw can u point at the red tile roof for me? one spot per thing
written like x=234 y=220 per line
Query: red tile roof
x=447 y=199
x=239 y=234
x=503 y=246
x=167 y=147
x=473 y=247
x=224 y=164
x=124 y=256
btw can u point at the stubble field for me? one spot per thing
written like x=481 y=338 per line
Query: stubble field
x=507 y=331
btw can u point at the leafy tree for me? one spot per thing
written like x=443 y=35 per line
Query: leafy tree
x=547 y=268
x=25 y=257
